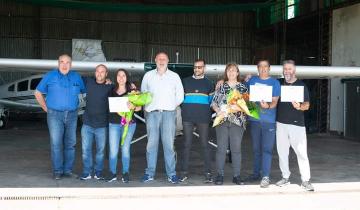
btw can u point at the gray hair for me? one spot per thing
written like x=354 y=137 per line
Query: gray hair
x=289 y=62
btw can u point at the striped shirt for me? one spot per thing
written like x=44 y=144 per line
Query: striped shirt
x=198 y=96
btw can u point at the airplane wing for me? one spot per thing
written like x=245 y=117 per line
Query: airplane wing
x=9 y=103
x=42 y=65
x=212 y=70
x=310 y=72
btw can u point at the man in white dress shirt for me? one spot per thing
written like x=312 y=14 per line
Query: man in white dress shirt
x=168 y=93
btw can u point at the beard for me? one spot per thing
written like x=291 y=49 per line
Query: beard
x=287 y=77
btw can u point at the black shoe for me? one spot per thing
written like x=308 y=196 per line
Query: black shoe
x=237 y=180
x=125 y=178
x=208 y=178
x=70 y=175
x=219 y=180
x=57 y=176
x=85 y=177
x=112 y=178
x=99 y=176
x=183 y=177
x=252 y=178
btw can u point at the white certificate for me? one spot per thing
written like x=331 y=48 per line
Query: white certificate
x=292 y=93
x=118 y=104
x=261 y=93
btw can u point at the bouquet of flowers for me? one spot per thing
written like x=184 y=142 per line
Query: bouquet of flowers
x=137 y=99
x=235 y=98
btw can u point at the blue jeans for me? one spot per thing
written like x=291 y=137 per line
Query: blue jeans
x=115 y=134
x=263 y=140
x=160 y=125
x=62 y=129
x=88 y=134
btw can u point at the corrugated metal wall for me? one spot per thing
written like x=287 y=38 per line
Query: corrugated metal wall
x=28 y=31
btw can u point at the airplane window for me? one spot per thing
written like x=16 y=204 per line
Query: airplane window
x=34 y=83
x=11 y=88
x=23 y=85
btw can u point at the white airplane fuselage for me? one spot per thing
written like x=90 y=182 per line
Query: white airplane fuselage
x=18 y=97
x=20 y=94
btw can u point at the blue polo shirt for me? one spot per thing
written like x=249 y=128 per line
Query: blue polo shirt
x=62 y=91
x=266 y=115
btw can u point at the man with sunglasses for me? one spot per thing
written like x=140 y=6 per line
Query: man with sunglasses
x=196 y=112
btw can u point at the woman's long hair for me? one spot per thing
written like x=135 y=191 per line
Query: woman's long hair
x=127 y=84
x=228 y=66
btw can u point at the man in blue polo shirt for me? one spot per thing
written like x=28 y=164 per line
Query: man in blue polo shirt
x=263 y=130
x=62 y=87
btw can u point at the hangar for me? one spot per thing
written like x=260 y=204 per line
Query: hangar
x=321 y=33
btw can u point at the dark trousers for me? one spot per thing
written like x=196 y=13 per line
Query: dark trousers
x=203 y=130
x=229 y=133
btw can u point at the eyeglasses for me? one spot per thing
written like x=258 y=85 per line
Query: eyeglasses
x=198 y=67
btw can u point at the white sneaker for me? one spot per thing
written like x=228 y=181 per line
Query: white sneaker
x=283 y=182
x=265 y=182
x=307 y=186
x=85 y=177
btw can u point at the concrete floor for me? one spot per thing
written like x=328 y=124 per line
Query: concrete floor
x=25 y=168
x=25 y=160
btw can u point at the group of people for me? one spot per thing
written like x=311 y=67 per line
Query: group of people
x=280 y=122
